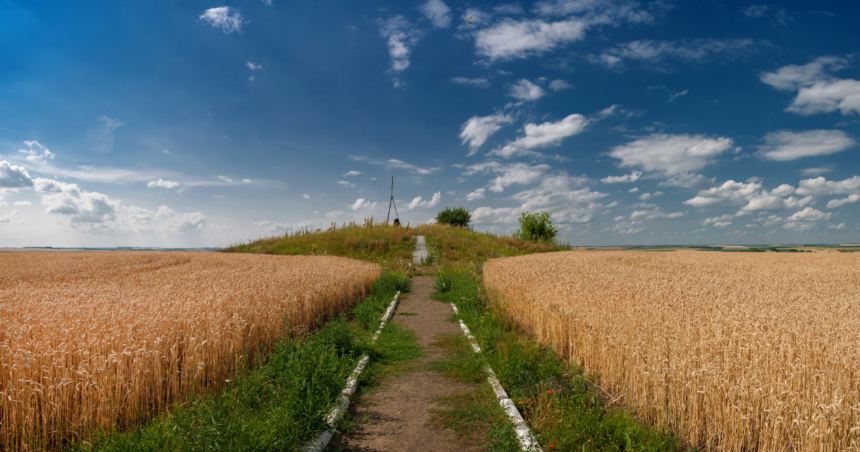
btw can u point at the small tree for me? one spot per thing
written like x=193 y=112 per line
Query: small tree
x=536 y=226
x=457 y=216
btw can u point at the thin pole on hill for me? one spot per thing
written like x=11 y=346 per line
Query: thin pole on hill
x=391 y=202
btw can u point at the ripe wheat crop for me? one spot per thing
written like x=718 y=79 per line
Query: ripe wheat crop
x=731 y=351
x=103 y=340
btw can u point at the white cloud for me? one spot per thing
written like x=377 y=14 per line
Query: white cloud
x=246 y=180
x=755 y=10
x=785 y=145
x=632 y=177
x=362 y=203
x=809 y=214
x=180 y=222
x=225 y=18
x=345 y=184
x=689 y=180
x=352 y=173
x=284 y=227
x=516 y=173
x=512 y=39
x=162 y=183
x=647 y=196
x=693 y=50
x=645 y=215
x=674 y=96
x=78 y=205
x=417 y=202
x=476 y=82
x=820 y=186
x=817 y=91
x=226 y=179
x=267 y=3
x=558 y=85
x=841 y=202
x=401 y=36
x=836 y=226
x=306 y=196
x=23 y=203
x=437 y=11
x=477 y=129
x=633 y=190
x=13 y=176
x=254 y=67
x=815 y=171
x=720 y=219
x=475 y=195
x=553 y=195
x=36 y=153
x=100 y=137
x=671 y=154
x=543 y=135
x=799 y=225
x=730 y=191
x=526 y=90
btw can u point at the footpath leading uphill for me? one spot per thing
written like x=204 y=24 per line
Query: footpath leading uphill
x=399 y=410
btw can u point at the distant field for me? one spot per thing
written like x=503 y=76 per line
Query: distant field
x=732 y=351
x=105 y=340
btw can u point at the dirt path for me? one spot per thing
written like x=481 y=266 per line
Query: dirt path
x=399 y=409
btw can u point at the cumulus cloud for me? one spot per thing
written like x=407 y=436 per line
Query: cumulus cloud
x=437 y=11
x=729 y=191
x=526 y=90
x=836 y=226
x=401 y=36
x=543 y=135
x=162 y=183
x=23 y=203
x=633 y=190
x=418 y=203
x=809 y=214
x=224 y=18
x=645 y=215
x=284 y=227
x=475 y=195
x=689 y=180
x=362 y=203
x=820 y=186
x=558 y=85
x=817 y=90
x=785 y=145
x=671 y=154
x=632 y=177
x=254 y=67
x=346 y=184
x=306 y=196
x=647 y=196
x=13 y=176
x=556 y=195
x=352 y=173
x=833 y=203
x=36 y=153
x=509 y=39
x=692 y=50
x=477 y=129
x=476 y=82
x=508 y=174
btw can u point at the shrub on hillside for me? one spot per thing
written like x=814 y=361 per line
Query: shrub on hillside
x=457 y=216
x=536 y=226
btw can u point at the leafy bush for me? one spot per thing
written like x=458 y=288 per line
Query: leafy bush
x=536 y=226
x=457 y=216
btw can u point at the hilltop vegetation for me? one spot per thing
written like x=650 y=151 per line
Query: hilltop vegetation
x=392 y=246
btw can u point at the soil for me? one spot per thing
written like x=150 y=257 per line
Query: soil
x=399 y=409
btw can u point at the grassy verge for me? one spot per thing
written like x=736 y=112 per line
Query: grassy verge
x=281 y=404
x=563 y=407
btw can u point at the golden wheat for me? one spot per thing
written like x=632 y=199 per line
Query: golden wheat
x=732 y=351
x=100 y=340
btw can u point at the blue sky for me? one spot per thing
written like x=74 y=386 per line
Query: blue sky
x=201 y=123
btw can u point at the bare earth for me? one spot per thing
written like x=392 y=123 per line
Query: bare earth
x=399 y=409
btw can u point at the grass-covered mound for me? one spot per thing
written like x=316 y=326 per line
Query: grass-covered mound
x=392 y=246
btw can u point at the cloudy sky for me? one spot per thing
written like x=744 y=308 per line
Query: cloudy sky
x=204 y=123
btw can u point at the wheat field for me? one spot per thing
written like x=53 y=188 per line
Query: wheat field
x=731 y=351
x=101 y=340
